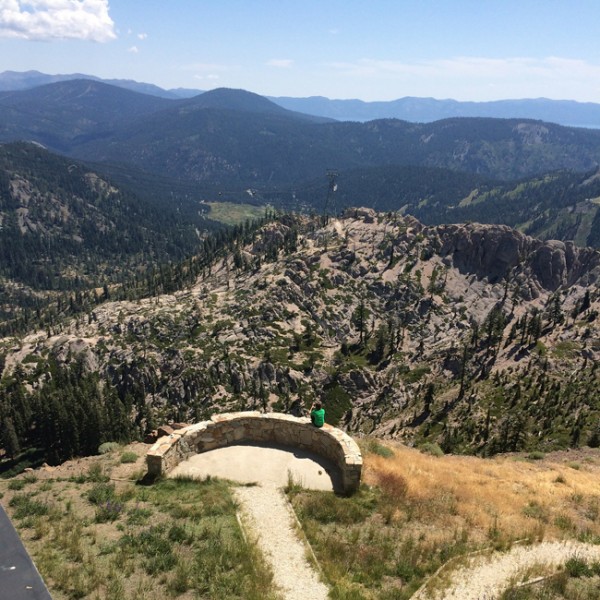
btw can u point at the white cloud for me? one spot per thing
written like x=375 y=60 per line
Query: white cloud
x=133 y=49
x=280 y=63
x=209 y=71
x=56 y=19
x=142 y=36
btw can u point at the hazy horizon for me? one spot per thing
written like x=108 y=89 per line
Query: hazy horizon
x=465 y=50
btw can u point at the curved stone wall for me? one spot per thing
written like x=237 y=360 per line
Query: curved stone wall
x=231 y=428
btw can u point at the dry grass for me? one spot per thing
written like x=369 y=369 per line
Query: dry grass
x=513 y=497
x=415 y=512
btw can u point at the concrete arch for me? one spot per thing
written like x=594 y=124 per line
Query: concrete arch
x=251 y=426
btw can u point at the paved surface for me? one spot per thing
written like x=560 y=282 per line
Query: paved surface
x=19 y=579
x=268 y=464
x=268 y=518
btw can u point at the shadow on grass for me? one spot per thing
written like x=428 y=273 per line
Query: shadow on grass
x=149 y=479
x=30 y=459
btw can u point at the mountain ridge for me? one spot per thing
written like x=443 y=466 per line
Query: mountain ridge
x=200 y=140
x=456 y=334
x=414 y=109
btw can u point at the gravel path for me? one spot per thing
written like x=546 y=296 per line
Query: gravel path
x=267 y=515
x=486 y=577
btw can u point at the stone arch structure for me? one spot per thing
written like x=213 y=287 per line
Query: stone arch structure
x=231 y=428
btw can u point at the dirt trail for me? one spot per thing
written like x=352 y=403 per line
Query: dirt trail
x=267 y=515
x=486 y=577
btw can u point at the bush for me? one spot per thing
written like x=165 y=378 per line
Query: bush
x=129 y=457
x=536 y=455
x=25 y=506
x=16 y=484
x=108 y=447
x=375 y=447
x=431 y=448
x=577 y=567
x=95 y=474
x=393 y=485
x=108 y=512
x=101 y=493
x=138 y=516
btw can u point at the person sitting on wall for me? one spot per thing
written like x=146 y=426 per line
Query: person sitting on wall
x=317 y=414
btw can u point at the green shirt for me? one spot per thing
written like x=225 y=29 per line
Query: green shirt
x=318 y=417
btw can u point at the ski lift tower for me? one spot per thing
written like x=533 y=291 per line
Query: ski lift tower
x=332 y=175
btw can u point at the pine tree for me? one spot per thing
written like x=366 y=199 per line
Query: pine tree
x=10 y=440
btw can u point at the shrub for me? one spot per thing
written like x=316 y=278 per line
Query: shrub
x=431 y=448
x=577 y=567
x=25 y=506
x=138 y=516
x=108 y=512
x=16 y=484
x=393 y=485
x=534 y=510
x=96 y=474
x=536 y=455
x=375 y=447
x=129 y=457
x=101 y=493
x=108 y=447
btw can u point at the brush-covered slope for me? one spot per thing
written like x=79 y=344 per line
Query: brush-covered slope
x=476 y=337
x=66 y=227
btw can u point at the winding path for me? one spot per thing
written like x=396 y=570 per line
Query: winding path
x=487 y=576
x=268 y=518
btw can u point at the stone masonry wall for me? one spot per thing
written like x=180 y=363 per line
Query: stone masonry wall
x=231 y=428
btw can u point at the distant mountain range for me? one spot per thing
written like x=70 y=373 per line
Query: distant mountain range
x=235 y=145
x=12 y=81
x=234 y=138
x=426 y=110
x=415 y=110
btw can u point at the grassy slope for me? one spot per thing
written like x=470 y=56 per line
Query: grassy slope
x=233 y=214
x=93 y=538
x=416 y=512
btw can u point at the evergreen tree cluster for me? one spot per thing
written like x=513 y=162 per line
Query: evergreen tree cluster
x=70 y=414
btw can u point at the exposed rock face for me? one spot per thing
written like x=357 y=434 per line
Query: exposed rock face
x=403 y=330
x=495 y=251
x=487 y=251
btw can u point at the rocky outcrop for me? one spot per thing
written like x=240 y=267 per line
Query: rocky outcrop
x=494 y=252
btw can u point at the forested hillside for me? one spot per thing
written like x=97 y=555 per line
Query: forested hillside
x=561 y=205
x=66 y=230
x=237 y=146
x=234 y=137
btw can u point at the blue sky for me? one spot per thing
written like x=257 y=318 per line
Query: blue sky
x=372 y=50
